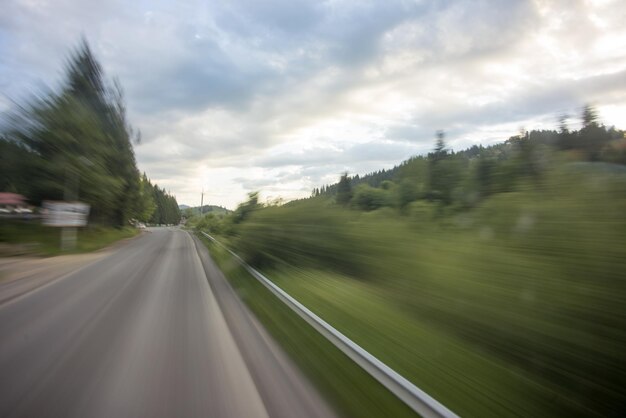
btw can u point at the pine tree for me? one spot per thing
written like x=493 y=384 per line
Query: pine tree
x=344 y=190
x=78 y=142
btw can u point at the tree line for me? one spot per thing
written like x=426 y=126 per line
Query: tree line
x=77 y=144
x=504 y=247
x=464 y=178
x=159 y=206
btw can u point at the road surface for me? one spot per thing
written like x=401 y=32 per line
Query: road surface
x=150 y=330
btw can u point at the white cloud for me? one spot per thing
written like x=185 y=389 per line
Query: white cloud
x=236 y=97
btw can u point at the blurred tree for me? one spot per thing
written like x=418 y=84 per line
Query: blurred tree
x=563 y=129
x=244 y=210
x=440 y=145
x=387 y=185
x=407 y=192
x=344 y=190
x=76 y=144
x=589 y=116
x=528 y=155
x=444 y=176
x=444 y=171
x=485 y=173
x=370 y=198
x=592 y=137
x=16 y=162
x=166 y=210
x=564 y=141
x=145 y=204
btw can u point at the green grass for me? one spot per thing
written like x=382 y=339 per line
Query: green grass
x=513 y=307
x=33 y=238
x=352 y=391
x=460 y=375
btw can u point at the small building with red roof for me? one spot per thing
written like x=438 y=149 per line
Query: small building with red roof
x=13 y=203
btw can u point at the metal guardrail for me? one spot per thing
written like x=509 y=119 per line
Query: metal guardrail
x=414 y=397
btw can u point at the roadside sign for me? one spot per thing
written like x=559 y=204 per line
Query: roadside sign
x=65 y=213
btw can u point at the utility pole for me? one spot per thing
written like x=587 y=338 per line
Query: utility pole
x=202 y=203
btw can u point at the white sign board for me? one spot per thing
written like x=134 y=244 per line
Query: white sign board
x=65 y=213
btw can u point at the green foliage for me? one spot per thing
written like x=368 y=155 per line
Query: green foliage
x=589 y=116
x=344 y=190
x=214 y=223
x=498 y=272
x=15 y=165
x=593 y=142
x=512 y=253
x=166 y=211
x=408 y=191
x=352 y=391
x=307 y=235
x=445 y=174
x=146 y=204
x=370 y=198
x=217 y=210
x=245 y=209
x=46 y=241
x=615 y=151
x=422 y=211
x=75 y=144
x=529 y=283
x=462 y=179
x=485 y=174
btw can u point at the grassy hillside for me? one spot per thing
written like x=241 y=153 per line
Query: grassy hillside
x=513 y=306
x=351 y=391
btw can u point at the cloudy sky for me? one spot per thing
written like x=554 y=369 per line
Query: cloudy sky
x=283 y=95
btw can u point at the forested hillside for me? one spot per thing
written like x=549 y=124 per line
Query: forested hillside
x=466 y=177
x=493 y=278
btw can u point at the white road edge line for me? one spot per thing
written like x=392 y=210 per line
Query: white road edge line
x=414 y=397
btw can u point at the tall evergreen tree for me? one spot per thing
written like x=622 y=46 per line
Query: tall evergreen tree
x=344 y=190
x=78 y=143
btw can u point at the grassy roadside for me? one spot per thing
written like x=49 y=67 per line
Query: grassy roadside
x=21 y=237
x=348 y=388
x=511 y=307
x=467 y=380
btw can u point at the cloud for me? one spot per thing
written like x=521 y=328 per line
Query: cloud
x=373 y=152
x=252 y=19
x=285 y=95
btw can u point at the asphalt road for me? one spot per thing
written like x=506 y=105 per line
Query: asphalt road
x=150 y=330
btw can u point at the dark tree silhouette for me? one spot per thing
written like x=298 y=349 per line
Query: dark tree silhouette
x=344 y=190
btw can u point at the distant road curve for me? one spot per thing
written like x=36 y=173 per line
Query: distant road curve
x=143 y=333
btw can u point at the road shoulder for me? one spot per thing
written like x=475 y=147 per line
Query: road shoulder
x=290 y=394
x=23 y=274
